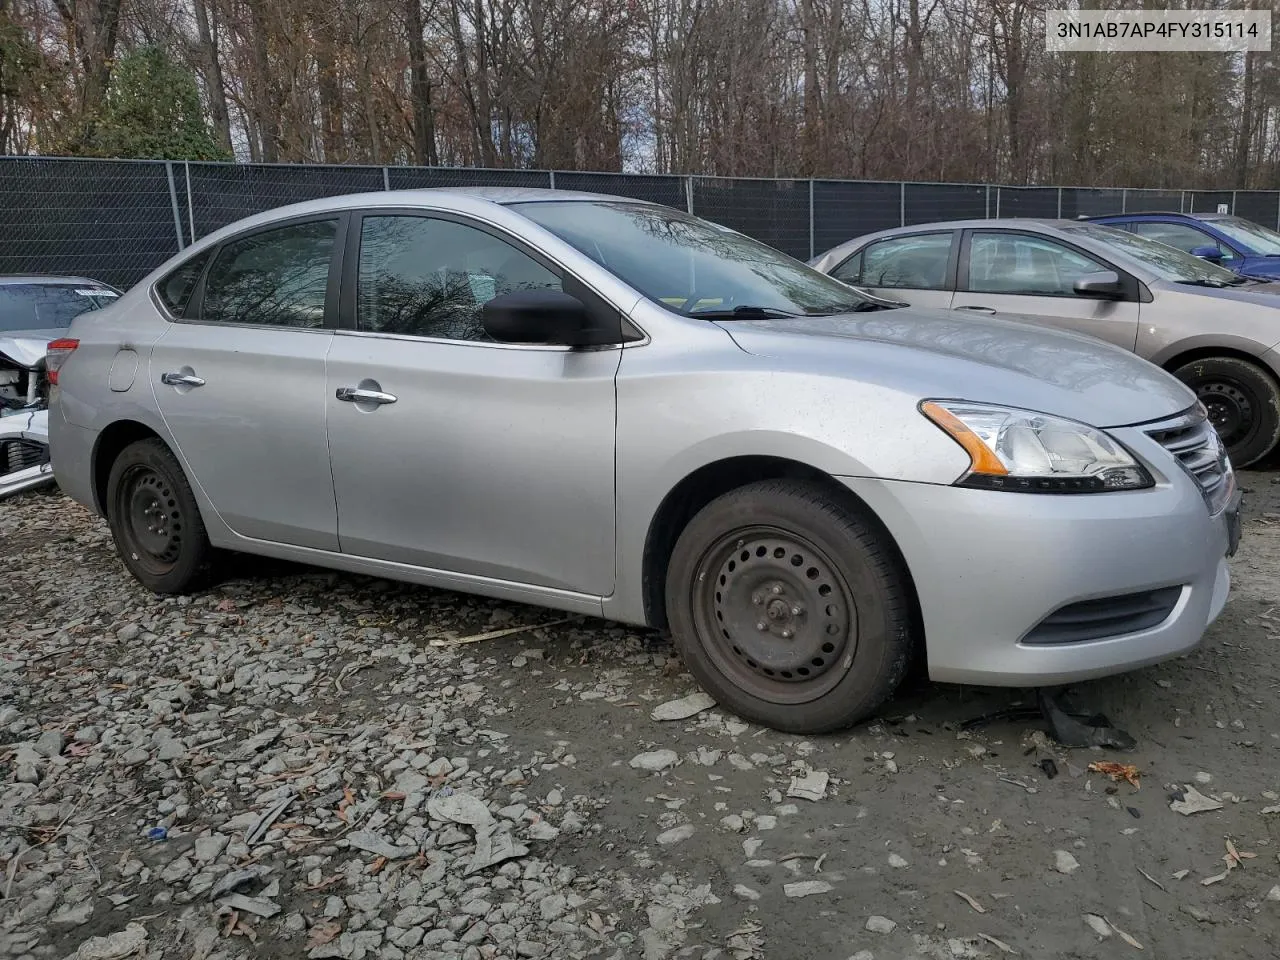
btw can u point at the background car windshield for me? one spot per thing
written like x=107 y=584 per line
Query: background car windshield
x=687 y=264
x=1255 y=237
x=1166 y=262
x=47 y=306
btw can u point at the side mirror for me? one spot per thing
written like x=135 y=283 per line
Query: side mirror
x=1104 y=285
x=536 y=316
x=1208 y=252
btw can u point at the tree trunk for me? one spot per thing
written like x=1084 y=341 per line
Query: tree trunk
x=206 y=29
x=424 y=117
x=1245 y=137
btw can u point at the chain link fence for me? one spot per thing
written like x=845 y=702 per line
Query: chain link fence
x=116 y=220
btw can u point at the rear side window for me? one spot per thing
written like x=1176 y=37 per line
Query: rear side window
x=917 y=262
x=176 y=289
x=273 y=278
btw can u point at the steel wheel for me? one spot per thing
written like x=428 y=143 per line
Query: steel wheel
x=152 y=519
x=775 y=615
x=1243 y=403
x=1230 y=408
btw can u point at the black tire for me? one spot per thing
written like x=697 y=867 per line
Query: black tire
x=155 y=521
x=788 y=555
x=1243 y=401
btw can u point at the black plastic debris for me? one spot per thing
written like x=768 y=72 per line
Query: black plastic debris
x=1049 y=767
x=1070 y=728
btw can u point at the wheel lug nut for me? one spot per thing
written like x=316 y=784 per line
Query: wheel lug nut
x=786 y=634
x=797 y=610
x=761 y=626
x=777 y=588
x=757 y=599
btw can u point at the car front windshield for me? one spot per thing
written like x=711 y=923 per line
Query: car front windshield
x=47 y=306
x=1166 y=262
x=690 y=265
x=1248 y=234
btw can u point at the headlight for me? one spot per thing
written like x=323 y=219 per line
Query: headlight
x=1030 y=452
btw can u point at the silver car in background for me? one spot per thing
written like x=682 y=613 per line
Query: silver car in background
x=34 y=309
x=1217 y=332
x=614 y=408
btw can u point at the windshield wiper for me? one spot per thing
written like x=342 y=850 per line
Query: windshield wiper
x=1214 y=284
x=862 y=306
x=743 y=311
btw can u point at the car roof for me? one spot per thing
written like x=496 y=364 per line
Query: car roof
x=1159 y=213
x=48 y=280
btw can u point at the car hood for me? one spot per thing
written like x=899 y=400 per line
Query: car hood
x=933 y=353
x=27 y=347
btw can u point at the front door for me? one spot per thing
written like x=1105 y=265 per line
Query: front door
x=240 y=382
x=1034 y=276
x=451 y=451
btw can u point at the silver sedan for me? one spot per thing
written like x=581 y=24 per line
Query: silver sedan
x=1217 y=332
x=613 y=408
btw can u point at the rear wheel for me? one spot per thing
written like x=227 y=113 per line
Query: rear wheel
x=155 y=521
x=1243 y=402
x=789 y=608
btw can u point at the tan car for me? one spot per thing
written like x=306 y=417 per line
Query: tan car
x=1214 y=330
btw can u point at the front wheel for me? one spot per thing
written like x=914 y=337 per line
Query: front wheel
x=1243 y=403
x=789 y=608
x=155 y=521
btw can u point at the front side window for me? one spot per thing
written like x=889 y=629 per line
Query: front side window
x=917 y=262
x=1177 y=235
x=1024 y=265
x=689 y=265
x=425 y=277
x=48 y=306
x=273 y=278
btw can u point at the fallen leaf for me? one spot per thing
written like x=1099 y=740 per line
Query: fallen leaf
x=322 y=933
x=1124 y=936
x=1117 y=771
x=1000 y=944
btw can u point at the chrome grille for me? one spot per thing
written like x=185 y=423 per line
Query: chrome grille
x=1192 y=439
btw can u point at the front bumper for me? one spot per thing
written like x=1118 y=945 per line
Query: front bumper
x=989 y=566
x=24 y=452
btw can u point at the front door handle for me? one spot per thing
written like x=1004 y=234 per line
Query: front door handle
x=976 y=309
x=182 y=380
x=360 y=395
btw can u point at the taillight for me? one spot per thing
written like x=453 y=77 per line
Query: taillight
x=55 y=355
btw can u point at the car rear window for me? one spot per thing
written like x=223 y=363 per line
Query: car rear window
x=48 y=306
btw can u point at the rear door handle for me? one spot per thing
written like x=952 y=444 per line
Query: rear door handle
x=360 y=395
x=976 y=309
x=182 y=380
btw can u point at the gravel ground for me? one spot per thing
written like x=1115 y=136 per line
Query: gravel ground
x=305 y=764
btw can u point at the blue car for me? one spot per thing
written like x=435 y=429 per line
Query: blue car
x=1233 y=242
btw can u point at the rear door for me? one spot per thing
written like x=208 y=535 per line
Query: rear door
x=917 y=268
x=239 y=379
x=1013 y=272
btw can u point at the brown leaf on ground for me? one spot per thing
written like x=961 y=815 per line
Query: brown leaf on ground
x=1117 y=771
x=322 y=933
